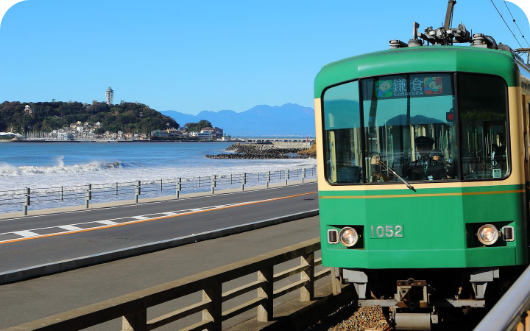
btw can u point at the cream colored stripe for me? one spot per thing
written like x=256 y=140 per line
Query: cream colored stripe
x=418 y=195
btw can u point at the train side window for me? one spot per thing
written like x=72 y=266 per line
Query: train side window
x=342 y=134
x=483 y=126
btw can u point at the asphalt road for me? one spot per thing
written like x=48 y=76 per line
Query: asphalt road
x=35 y=240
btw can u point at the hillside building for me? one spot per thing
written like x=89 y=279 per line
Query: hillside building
x=218 y=132
x=209 y=132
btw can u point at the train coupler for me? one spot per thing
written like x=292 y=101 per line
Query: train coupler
x=412 y=294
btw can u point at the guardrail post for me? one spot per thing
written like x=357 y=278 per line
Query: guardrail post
x=136 y=321
x=286 y=176
x=230 y=179
x=137 y=191
x=117 y=188
x=243 y=181
x=303 y=175
x=62 y=193
x=213 y=180
x=215 y=313
x=178 y=187
x=199 y=181
x=268 y=178
x=27 y=200
x=307 y=292
x=265 y=310
x=161 y=185
x=88 y=195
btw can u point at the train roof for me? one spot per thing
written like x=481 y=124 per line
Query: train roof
x=419 y=59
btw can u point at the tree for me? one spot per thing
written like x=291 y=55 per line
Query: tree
x=196 y=127
x=49 y=116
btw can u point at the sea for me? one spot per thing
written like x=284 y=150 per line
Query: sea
x=73 y=164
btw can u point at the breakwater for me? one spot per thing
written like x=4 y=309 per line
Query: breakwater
x=259 y=151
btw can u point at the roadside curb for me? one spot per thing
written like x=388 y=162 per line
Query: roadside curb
x=18 y=275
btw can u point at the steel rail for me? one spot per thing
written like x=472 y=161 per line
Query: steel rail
x=513 y=309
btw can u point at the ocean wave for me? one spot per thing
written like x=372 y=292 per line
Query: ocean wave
x=7 y=169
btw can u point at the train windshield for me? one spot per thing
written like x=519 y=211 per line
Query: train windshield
x=408 y=123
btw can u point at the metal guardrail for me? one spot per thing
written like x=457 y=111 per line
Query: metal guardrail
x=133 y=308
x=512 y=312
x=55 y=197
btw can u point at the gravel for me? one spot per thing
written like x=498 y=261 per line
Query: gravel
x=352 y=318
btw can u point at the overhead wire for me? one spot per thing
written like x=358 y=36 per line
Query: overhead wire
x=513 y=34
x=517 y=25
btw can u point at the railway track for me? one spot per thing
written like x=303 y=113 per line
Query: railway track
x=375 y=318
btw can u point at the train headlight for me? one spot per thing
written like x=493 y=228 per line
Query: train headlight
x=348 y=236
x=488 y=234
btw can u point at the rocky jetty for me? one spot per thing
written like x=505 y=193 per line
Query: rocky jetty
x=258 y=151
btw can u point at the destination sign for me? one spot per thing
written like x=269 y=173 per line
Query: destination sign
x=402 y=86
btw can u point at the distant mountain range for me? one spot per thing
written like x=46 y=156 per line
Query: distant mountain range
x=263 y=120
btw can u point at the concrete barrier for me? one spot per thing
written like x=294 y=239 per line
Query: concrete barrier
x=132 y=308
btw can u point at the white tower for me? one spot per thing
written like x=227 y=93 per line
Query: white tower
x=109 y=96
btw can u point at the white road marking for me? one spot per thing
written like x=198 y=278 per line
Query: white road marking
x=75 y=227
x=26 y=233
x=69 y=227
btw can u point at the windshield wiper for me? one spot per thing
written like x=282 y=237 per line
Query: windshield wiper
x=398 y=176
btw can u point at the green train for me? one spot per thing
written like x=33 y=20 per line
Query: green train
x=423 y=173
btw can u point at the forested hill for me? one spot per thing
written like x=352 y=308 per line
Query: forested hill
x=47 y=116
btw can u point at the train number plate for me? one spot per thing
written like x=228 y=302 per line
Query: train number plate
x=386 y=231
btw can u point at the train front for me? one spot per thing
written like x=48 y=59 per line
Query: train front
x=421 y=177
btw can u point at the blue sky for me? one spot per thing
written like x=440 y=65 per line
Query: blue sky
x=190 y=56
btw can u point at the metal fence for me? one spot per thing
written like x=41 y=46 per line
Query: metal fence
x=134 y=308
x=55 y=197
x=512 y=312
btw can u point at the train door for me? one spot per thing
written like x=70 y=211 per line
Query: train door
x=526 y=144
